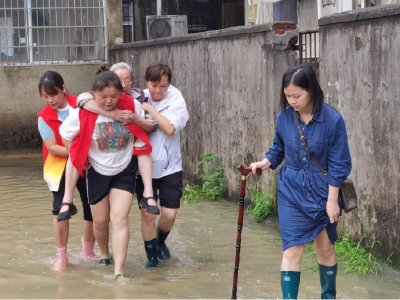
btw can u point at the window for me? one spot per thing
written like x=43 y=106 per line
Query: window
x=129 y=35
x=52 y=32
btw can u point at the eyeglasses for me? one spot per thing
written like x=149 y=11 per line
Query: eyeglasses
x=126 y=82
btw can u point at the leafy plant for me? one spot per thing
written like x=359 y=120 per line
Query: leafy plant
x=264 y=201
x=356 y=258
x=193 y=193
x=214 y=184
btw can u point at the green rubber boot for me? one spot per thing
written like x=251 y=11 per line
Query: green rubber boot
x=327 y=277
x=290 y=281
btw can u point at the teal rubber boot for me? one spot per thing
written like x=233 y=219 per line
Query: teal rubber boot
x=327 y=277
x=290 y=281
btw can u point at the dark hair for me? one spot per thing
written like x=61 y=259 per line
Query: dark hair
x=304 y=77
x=49 y=82
x=156 y=71
x=105 y=78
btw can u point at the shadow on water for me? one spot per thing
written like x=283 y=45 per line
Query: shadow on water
x=202 y=245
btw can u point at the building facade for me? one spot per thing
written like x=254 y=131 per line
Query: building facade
x=70 y=37
x=40 y=32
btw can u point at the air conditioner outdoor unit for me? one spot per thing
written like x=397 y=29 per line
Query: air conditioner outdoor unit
x=166 y=26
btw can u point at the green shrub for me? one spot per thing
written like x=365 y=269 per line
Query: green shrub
x=193 y=193
x=263 y=201
x=214 y=185
x=263 y=204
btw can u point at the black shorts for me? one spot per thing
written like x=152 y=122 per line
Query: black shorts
x=98 y=186
x=58 y=198
x=168 y=188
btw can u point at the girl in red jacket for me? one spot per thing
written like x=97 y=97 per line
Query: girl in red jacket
x=58 y=107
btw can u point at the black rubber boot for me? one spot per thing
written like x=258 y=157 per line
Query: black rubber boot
x=327 y=276
x=290 y=281
x=151 y=252
x=162 y=250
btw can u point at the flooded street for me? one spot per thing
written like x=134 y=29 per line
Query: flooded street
x=202 y=245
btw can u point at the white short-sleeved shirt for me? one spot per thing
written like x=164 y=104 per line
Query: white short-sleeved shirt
x=111 y=145
x=167 y=149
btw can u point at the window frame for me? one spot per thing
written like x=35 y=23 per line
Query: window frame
x=96 y=51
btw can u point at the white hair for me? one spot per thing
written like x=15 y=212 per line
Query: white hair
x=121 y=65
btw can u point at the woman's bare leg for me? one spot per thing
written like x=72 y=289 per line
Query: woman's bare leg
x=88 y=233
x=290 y=272
x=327 y=262
x=101 y=221
x=61 y=232
x=325 y=250
x=148 y=225
x=120 y=203
x=292 y=258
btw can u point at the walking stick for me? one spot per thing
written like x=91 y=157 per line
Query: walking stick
x=244 y=171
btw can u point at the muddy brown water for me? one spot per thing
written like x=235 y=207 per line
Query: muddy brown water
x=202 y=245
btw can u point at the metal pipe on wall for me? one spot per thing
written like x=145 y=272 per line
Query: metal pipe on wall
x=159 y=7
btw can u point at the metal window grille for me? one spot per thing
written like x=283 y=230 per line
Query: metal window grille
x=308 y=48
x=128 y=23
x=52 y=32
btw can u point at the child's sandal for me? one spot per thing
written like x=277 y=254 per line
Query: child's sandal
x=151 y=209
x=66 y=215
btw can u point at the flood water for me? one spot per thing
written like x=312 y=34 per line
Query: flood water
x=202 y=245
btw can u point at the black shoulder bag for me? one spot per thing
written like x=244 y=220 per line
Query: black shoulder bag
x=347 y=190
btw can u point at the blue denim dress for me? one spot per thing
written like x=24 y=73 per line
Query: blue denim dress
x=302 y=188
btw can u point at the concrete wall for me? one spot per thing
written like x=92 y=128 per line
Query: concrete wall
x=230 y=80
x=308 y=15
x=360 y=63
x=114 y=22
x=20 y=101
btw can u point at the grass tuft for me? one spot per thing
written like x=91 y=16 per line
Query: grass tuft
x=356 y=258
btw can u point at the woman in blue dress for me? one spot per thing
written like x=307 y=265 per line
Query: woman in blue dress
x=308 y=201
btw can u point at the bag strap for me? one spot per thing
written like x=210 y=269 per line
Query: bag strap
x=303 y=142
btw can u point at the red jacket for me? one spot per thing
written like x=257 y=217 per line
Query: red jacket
x=49 y=115
x=81 y=144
